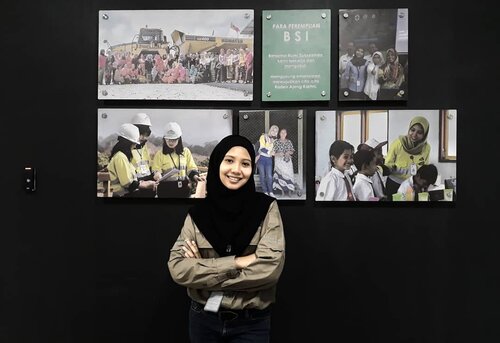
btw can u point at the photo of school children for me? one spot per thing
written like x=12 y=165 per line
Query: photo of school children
x=156 y=153
x=386 y=155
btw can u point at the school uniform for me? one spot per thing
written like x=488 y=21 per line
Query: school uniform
x=334 y=186
x=363 y=188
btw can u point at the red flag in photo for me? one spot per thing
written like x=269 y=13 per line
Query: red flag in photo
x=235 y=28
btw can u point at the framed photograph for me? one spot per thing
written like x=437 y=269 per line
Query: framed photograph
x=176 y=54
x=157 y=153
x=385 y=155
x=296 y=55
x=279 y=142
x=373 y=54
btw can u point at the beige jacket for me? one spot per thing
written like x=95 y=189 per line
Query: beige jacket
x=251 y=287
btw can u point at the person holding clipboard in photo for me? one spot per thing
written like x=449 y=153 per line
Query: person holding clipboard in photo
x=174 y=165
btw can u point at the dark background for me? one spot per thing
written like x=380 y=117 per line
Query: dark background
x=74 y=268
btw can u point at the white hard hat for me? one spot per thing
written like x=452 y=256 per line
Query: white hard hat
x=129 y=132
x=141 y=119
x=172 y=131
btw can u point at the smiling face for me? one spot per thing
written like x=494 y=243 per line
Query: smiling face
x=391 y=56
x=360 y=52
x=236 y=168
x=344 y=162
x=283 y=133
x=172 y=143
x=273 y=131
x=416 y=133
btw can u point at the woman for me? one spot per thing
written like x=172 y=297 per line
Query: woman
x=283 y=177
x=407 y=153
x=372 y=86
x=174 y=165
x=354 y=76
x=231 y=251
x=265 y=159
x=122 y=172
x=391 y=76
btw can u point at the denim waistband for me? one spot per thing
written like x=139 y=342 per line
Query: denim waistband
x=229 y=314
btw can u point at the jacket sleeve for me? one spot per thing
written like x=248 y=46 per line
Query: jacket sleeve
x=265 y=271
x=205 y=273
x=390 y=159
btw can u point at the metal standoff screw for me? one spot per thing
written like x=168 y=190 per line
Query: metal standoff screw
x=245 y=116
x=401 y=93
x=268 y=94
x=346 y=93
x=105 y=16
x=322 y=117
x=104 y=115
x=104 y=92
x=299 y=116
x=323 y=15
x=346 y=15
x=245 y=93
x=225 y=116
x=268 y=17
x=323 y=93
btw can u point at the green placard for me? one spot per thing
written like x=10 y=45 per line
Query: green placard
x=296 y=55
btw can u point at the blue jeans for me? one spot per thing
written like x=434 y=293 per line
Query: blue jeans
x=228 y=326
x=265 y=167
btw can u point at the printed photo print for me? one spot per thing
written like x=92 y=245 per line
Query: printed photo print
x=386 y=155
x=157 y=153
x=176 y=54
x=279 y=142
x=373 y=54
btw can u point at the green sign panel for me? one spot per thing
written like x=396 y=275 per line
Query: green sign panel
x=296 y=55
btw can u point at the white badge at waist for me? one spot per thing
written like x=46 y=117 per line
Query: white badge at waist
x=214 y=301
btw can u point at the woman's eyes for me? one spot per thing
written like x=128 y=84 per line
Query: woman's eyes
x=228 y=160
x=246 y=164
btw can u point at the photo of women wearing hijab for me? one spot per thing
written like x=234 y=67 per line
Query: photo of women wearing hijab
x=391 y=76
x=265 y=159
x=372 y=70
x=141 y=158
x=283 y=176
x=231 y=251
x=176 y=159
x=122 y=172
x=354 y=76
x=407 y=153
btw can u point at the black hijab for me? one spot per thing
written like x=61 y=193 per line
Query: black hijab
x=229 y=218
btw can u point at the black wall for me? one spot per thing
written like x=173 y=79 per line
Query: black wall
x=74 y=268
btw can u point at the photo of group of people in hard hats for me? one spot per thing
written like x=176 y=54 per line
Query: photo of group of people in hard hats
x=157 y=153
x=373 y=54
x=386 y=155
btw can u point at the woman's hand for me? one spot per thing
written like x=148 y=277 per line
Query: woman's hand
x=191 y=249
x=148 y=184
x=201 y=186
x=243 y=261
x=157 y=176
